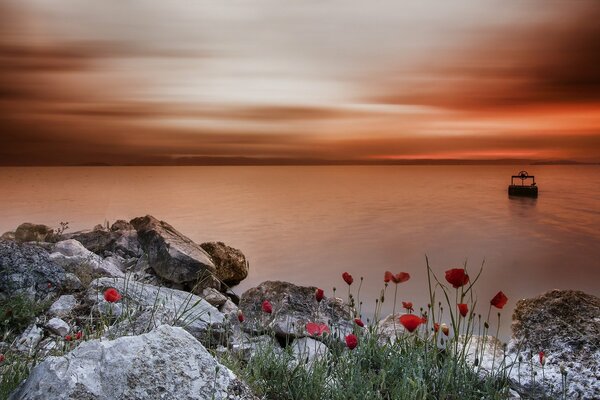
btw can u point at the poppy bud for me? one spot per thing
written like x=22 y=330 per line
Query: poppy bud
x=486 y=325
x=445 y=329
x=476 y=361
x=542 y=358
x=319 y=294
x=266 y=307
x=347 y=278
x=240 y=316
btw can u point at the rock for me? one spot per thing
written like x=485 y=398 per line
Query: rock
x=26 y=269
x=173 y=256
x=121 y=242
x=390 y=328
x=63 y=306
x=565 y=325
x=231 y=264
x=58 y=327
x=29 y=232
x=229 y=308
x=121 y=225
x=306 y=350
x=30 y=338
x=8 y=236
x=167 y=363
x=75 y=258
x=167 y=305
x=213 y=296
x=293 y=307
x=245 y=347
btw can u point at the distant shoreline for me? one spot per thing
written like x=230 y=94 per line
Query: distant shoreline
x=247 y=161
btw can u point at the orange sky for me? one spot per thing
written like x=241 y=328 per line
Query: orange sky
x=150 y=82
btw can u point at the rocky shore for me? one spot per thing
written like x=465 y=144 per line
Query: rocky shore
x=175 y=315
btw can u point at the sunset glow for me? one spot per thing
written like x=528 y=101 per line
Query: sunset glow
x=141 y=83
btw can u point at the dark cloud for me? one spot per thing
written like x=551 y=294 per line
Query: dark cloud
x=557 y=61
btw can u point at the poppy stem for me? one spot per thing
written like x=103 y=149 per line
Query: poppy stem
x=394 y=310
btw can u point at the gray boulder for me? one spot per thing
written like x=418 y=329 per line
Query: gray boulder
x=29 y=340
x=293 y=307
x=121 y=240
x=26 y=269
x=63 y=306
x=154 y=306
x=58 y=327
x=167 y=363
x=28 y=232
x=231 y=264
x=75 y=258
x=565 y=325
x=173 y=256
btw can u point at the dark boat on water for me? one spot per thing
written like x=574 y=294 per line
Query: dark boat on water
x=527 y=190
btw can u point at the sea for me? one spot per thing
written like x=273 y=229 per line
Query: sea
x=309 y=224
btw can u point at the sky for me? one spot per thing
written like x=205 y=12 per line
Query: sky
x=149 y=82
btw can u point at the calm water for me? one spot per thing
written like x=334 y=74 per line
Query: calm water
x=309 y=224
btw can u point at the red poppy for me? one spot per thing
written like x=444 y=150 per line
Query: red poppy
x=464 y=309
x=316 y=329
x=240 y=315
x=410 y=322
x=398 y=278
x=499 y=300
x=351 y=341
x=359 y=322
x=68 y=338
x=408 y=305
x=49 y=285
x=2 y=358
x=436 y=327
x=319 y=294
x=347 y=278
x=267 y=307
x=542 y=358
x=112 y=295
x=457 y=277
x=78 y=335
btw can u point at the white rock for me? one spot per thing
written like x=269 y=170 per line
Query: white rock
x=58 y=326
x=167 y=363
x=63 y=306
x=167 y=305
x=73 y=257
x=229 y=307
x=307 y=350
x=30 y=338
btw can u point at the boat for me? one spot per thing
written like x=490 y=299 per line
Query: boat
x=524 y=189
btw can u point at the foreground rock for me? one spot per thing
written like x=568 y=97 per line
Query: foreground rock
x=75 y=258
x=173 y=256
x=565 y=325
x=231 y=264
x=293 y=307
x=167 y=363
x=26 y=269
x=148 y=306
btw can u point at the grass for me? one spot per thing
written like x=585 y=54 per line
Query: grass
x=407 y=366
